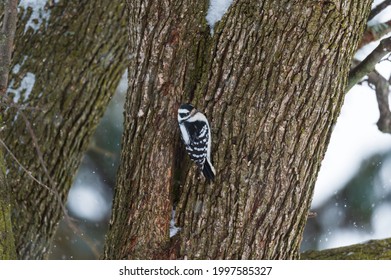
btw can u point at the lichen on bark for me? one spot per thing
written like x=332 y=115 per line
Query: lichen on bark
x=7 y=241
x=73 y=61
x=370 y=250
x=271 y=81
x=275 y=86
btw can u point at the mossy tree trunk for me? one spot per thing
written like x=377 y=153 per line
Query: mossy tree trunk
x=7 y=241
x=8 y=27
x=370 y=250
x=271 y=80
x=63 y=76
x=277 y=81
x=167 y=45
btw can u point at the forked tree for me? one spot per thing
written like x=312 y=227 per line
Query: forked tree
x=271 y=79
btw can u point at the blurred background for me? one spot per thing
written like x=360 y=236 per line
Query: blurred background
x=353 y=191
x=90 y=197
x=352 y=196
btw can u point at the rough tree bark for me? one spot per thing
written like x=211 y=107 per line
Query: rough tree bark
x=63 y=76
x=167 y=45
x=370 y=250
x=271 y=80
x=7 y=241
x=7 y=34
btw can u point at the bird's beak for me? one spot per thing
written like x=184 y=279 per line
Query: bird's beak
x=193 y=112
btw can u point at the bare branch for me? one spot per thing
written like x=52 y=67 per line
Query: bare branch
x=378 y=9
x=382 y=91
x=374 y=33
x=22 y=166
x=368 y=64
x=7 y=35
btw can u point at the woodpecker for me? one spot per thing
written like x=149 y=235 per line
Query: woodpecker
x=196 y=135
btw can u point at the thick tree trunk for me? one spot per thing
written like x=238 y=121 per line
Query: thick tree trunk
x=277 y=81
x=7 y=34
x=167 y=42
x=7 y=241
x=63 y=76
x=271 y=81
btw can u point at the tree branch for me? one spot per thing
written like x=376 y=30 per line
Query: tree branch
x=378 y=9
x=382 y=91
x=374 y=33
x=7 y=36
x=371 y=250
x=368 y=64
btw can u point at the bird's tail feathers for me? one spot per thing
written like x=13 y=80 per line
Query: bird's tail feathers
x=208 y=170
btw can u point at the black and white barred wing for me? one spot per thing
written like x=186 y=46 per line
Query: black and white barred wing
x=197 y=146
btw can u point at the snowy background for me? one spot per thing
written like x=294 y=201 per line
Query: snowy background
x=352 y=195
x=356 y=146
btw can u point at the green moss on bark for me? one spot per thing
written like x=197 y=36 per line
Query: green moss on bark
x=7 y=242
x=77 y=58
x=371 y=250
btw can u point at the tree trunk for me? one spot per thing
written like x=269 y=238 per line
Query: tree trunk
x=7 y=242
x=64 y=74
x=277 y=87
x=7 y=34
x=271 y=81
x=167 y=45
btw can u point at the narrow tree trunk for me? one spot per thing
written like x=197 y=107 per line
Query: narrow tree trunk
x=271 y=81
x=167 y=42
x=7 y=35
x=63 y=76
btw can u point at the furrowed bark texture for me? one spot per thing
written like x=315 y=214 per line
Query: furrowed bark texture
x=63 y=74
x=272 y=83
x=276 y=82
x=7 y=241
x=166 y=38
x=8 y=27
x=7 y=34
x=370 y=250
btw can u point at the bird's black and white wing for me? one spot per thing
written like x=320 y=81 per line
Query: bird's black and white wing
x=197 y=146
x=196 y=134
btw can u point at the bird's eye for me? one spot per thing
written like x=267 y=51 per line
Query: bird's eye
x=182 y=115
